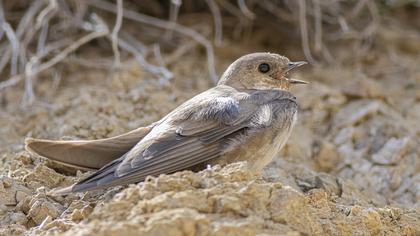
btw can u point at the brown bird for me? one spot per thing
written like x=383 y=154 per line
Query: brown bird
x=248 y=116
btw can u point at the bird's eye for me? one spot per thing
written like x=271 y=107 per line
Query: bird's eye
x=264 y=68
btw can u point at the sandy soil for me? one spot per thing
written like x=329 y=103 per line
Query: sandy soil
x=351 y=166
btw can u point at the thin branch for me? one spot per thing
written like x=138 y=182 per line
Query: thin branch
x=304 y=32
x=134 y=42
x=14 y=41
x=28 y=18
x=50 y=47
x=29 y=95
x=318 y=26
x=232 y=9
x=42 y=38
x=73 y=47
x=2 y=19
x=89 y=63
x=56 y=77
x=114 y=35
x=158 y=55
x=132 y=15
x=165 y=74
x=173 y=17
x=179 y=51
x=276 y=11
x=245 y=10
x=10 y=82
x=218 y=30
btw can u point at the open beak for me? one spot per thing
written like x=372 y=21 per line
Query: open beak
x=291 y=66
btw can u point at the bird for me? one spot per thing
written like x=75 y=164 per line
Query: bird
x=248 y=116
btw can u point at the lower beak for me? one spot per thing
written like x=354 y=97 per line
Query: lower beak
x=296 y=81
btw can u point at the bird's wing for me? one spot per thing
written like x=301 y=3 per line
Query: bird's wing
x=180 y=143
x=86 y=154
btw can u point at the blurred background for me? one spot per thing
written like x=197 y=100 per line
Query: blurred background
x=72 y=69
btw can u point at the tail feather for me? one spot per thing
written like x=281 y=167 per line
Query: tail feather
x=86 y=154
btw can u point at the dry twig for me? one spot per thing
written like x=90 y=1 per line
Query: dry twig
x=217 y=21
x=304 y=32
x=114 y=35
x=173 y=16
x=132 y=15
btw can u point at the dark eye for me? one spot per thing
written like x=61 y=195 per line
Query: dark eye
x=264 y=68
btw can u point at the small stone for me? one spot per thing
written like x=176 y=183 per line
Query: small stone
x=355 y=112
x=42 y=208
x=77 y=215
x=392 y=152
x=372 y=220
x=19 y=218
x=327 y=157
x=43 y=176
x=12 y=191
x=344 y=135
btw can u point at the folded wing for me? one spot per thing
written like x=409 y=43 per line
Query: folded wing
x=184 y=139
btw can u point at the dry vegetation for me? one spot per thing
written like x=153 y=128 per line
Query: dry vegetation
x=90 y=69
x=39 y=36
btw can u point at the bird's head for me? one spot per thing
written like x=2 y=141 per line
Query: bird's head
x=261 y=71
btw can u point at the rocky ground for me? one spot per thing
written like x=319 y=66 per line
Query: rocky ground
x=351 y=167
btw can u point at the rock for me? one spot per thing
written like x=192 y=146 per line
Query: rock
x=299 y=144
x=43 y=176
x=344 y=135
x=355 y=112
x=12 y=191
x=290 y=207
x=327 y=157
x=392 y=151
x=13 y=229
x=40 y=208
x=18 y=218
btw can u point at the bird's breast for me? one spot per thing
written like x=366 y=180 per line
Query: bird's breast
x=259 y=147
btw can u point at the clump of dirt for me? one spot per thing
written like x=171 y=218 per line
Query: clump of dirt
x=350 y=167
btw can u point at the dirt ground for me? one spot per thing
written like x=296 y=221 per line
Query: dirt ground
x=351 y=167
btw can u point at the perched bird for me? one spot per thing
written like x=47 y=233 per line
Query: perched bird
x=248 y=116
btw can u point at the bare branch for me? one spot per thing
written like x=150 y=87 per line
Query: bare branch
x=42 y=38
x=10 y=82
x=318 y=26
x=132 y=15
x=245 y=10
x=2 y=19
x=173 y=16
x=218 y=30
x=304 y=32
x=165 y=74
x=114 y=35
x=14 y=41
x=158 y=55
x=73 y=47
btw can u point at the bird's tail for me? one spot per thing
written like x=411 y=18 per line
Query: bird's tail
x=86 y=154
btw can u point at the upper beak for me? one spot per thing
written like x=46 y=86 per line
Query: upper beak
x=293 y=65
